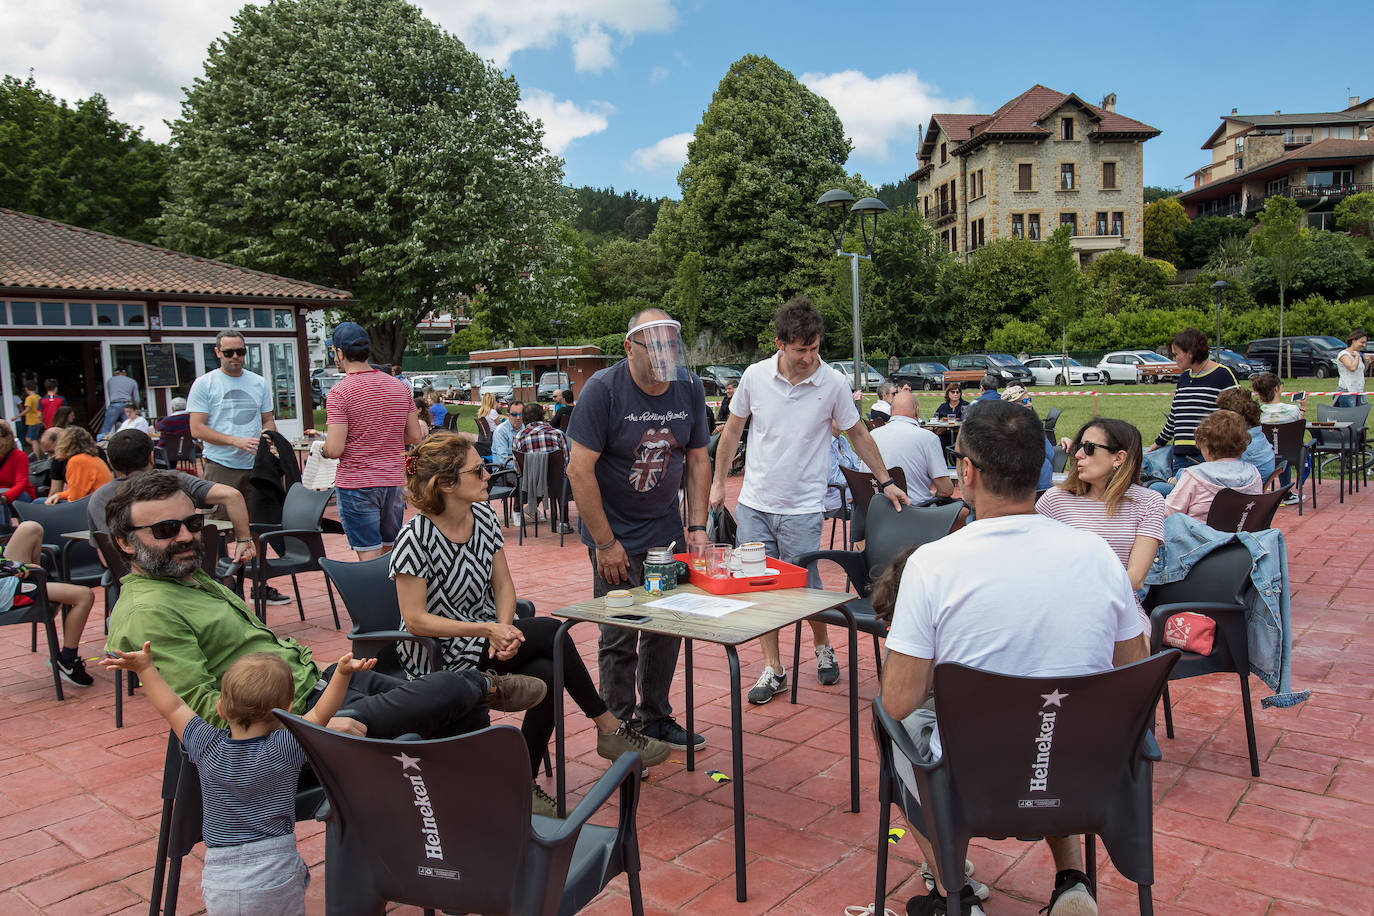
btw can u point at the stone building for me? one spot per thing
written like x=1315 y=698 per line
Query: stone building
x=1317 y=158
x=1041 y=160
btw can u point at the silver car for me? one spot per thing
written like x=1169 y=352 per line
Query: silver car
x=499 y=385
x=871 y=380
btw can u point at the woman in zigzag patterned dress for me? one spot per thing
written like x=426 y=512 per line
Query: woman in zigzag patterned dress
x=453 y=583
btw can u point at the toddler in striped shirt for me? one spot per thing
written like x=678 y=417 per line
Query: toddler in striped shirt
x=248 y=775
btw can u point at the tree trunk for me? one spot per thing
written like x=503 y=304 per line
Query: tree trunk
x=388 y=342
x=1282 y=291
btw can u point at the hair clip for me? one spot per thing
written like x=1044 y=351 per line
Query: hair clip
x=412 y=465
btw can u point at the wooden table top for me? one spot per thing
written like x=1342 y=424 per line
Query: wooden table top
x=770 y=610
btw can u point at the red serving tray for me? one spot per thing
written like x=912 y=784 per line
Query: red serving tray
x=788 y=576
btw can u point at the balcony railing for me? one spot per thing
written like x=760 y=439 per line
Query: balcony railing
x=1297 y=139
x=1303 y=192
x=941 y=211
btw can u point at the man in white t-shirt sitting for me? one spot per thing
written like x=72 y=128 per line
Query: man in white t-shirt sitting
x=1056 y=602
x=916 y=451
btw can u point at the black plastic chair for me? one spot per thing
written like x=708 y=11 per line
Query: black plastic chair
x=369 y=598
x=39 y=613
x=1345 y=445
x=179 y=829
x=550 y=485
x=1289 y=447
x=76 y=562
x=997 y=778
x=890 y=532
x=1059 y=460
x=1233 y=510
x=401 y=822
x=299 y=543
x=863 y=486
x=1213 y=588
x=1050 y=422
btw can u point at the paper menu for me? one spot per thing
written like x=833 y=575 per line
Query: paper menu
x=701 y=605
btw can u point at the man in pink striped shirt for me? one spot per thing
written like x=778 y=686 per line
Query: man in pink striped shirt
x=372 y=419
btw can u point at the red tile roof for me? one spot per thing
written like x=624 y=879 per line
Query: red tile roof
x=42 y=254
x=1021 y=116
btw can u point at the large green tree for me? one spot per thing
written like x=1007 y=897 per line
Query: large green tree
x=1164 y=219
x=765 y=149
x=356 y=144
x=77 y=164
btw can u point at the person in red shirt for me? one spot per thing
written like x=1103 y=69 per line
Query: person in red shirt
x=50 y=402
x=14 y=472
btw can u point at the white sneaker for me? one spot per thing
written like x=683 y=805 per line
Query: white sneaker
x=980 y=889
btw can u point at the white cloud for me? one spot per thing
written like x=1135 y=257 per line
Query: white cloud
x=878 y=111
x=657 y=75
x=499 y=28
x=563 y=120
x=667 y=154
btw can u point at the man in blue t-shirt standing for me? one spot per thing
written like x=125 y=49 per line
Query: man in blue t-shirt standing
x=230 y=408
x=640 y=427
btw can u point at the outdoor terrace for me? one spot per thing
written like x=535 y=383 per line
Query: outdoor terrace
x=79 y=799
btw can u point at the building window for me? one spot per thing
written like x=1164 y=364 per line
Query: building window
x=1277 y=186
x=944 y=154
x=1066 y=129
x=1330 y=178
x=927 y=205
x=1033 y=226
x=1118 y=222
x=1066 y=176
x=977 y=234
x=1240 y=164
x=975 y=185
x=1070 y=220
x=1109 y=176
x=1100 y=223
x=1018 y=226
x=1240 y=146
x=1024 y=177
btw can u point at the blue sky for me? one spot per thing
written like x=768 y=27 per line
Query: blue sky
x=621 y=83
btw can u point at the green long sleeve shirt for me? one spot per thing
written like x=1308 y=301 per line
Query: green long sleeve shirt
x=198 y=629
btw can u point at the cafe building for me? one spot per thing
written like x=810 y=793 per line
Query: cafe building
x=75 y=303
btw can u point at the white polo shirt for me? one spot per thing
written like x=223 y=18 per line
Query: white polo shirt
x=904 y=444
x=788 y=458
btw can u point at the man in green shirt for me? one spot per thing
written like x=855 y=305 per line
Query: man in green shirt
x=198 y=628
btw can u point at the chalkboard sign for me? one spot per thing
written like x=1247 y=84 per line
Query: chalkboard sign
x=160 y=365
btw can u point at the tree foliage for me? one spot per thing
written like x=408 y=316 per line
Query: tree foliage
x=1163 y=220
x=77 y=165
x=354 y=143
x=902 y=194
x=765 y=149
x=1280 y=242
x=1355 y=214
x=1198 y=240
x=1154 y=193
x=604 y=214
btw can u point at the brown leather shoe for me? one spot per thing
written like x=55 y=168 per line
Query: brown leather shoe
x=514 y=692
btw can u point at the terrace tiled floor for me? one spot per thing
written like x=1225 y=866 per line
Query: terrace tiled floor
x=79 y=798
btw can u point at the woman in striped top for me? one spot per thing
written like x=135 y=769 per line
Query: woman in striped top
x=1101 y=495
x=1200 y=381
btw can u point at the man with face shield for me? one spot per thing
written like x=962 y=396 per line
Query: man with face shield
x=793 y=397
x=641 y=427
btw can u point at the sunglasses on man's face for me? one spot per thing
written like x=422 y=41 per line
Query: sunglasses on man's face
x=169 y=528
x=233 y=352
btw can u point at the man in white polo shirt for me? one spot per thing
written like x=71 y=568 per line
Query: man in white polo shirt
x=916 y=451
x=791 y=398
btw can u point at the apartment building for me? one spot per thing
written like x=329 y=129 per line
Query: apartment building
x=1317 y=158
x=1042 y=160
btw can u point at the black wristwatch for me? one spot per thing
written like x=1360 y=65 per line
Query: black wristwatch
x=691 y=528
x=885 y=484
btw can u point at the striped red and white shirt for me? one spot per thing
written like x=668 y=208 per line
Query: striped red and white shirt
x=1141 y=512
x=375 y=406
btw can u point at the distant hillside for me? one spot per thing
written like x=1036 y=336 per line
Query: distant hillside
x=603 y=214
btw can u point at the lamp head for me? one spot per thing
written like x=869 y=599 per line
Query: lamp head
x=836 y=219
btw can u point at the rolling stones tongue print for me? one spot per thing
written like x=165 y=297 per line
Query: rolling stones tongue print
x=651 y=458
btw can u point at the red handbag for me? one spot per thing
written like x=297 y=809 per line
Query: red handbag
x=1191 y=633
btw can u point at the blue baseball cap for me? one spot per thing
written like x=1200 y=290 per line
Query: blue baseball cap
x=351 y=338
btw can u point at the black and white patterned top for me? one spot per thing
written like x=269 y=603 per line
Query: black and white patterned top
x=458 y=582
x=247 y=787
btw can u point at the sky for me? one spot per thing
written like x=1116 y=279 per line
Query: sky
x=620 y=85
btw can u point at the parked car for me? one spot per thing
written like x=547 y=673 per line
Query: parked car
x=499 y=385
x=443 y=381
x=1049 y=370
x=549 y=383
x=1240 y=366
x=968 y=369
x=926 y=376
x=320 y=385
x=715 y=378
x=872 y=379
x=1310 y=355
x=1137 y=366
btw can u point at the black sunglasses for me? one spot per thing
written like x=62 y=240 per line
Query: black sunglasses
x=960 y=455
x=170 y=527
x=1090 y=448
x=234 y=351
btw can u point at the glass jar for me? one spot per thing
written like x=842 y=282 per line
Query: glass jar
x=659 y=563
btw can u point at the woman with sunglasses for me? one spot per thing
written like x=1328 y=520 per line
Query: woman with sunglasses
x=953 y=406
x=1102 y=494
x=453 y=583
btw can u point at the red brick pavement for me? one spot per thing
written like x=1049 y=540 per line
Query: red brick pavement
x=79 y=798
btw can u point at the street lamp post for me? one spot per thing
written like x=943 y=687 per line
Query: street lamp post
x=1217 y=288
x=836 y=221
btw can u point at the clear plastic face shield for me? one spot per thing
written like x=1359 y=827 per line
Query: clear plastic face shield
x=660 y=340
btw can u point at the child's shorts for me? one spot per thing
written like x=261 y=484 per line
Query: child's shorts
x=262 y=878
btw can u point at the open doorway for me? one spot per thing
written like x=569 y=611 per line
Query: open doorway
x=74 y=364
